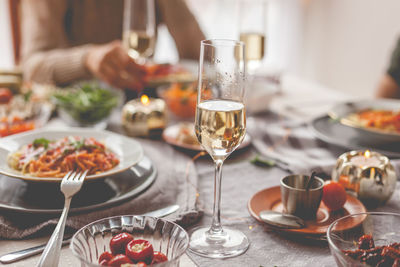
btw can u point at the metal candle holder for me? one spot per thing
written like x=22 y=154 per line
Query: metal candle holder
x=368 y=175
x=144 y=116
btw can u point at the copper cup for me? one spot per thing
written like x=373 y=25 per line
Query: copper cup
x=299 y=201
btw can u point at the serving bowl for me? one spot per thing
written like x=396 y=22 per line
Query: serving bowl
x=181 y=99
x=87 y=104
x=382 y=226
x=92 y=240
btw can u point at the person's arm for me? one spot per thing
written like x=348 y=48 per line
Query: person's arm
x=389 y=86
x=183 y=27
x=46 y=56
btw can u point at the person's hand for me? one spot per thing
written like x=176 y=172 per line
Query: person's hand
x=111 y=63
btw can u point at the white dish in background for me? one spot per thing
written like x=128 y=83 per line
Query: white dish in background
x=170 y=135
x=342 y=111
x=333 y=132
x=128 y=151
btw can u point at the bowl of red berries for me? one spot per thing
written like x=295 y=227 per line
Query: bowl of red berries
x=130 y=241
x=365 y=239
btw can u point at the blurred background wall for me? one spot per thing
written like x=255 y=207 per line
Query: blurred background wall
x=6 y=50
x=342 y=44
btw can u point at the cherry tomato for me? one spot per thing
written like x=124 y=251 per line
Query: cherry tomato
x=107 y=256
x=119 y=259
x=159 y=257
x=334 y=195
x=5 y=95
x=118 y=243
x=103 y=263
x=140 y=250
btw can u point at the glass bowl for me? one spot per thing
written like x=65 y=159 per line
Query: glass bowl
x=92 y=240
x=344 y=233
x=87 y=104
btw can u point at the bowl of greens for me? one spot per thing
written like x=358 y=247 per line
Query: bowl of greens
x=87 y=104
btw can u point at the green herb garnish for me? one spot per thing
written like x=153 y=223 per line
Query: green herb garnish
x=41 y=142
x=88 y=103
x=27 y=96
x=262 y=162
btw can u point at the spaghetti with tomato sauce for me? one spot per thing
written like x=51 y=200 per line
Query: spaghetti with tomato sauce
x=45 y=158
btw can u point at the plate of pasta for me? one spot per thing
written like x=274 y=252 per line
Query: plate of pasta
x=376 y=120
x=46 y=155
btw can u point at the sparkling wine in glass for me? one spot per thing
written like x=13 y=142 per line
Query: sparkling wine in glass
x=252 y=30
x=220 y=126
x=139 y=29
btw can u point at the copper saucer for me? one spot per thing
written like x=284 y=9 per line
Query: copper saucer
x=270 y=199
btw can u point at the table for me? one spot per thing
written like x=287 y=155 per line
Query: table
x=241 y=180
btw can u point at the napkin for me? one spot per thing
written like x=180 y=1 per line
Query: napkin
x=293 y=146
x=176 y=183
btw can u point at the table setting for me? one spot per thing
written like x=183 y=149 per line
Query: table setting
x=175 y=177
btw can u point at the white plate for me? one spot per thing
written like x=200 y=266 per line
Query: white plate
x=341 y=111
x=128 y=151
x=170 y=135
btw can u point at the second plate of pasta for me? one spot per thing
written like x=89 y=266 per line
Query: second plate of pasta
x=46 y=155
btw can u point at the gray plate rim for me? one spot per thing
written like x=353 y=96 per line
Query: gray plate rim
x=334 y=140
x=130 y=194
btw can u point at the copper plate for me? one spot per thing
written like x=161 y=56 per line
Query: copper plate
x=270 y=199
x=171 y=132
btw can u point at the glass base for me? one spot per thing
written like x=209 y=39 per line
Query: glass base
x=227 y=244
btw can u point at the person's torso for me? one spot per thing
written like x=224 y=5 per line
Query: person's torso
x=93 y=21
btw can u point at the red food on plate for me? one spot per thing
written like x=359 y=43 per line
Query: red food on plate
x=158 y=257
x=130 y=251
x=334 y=195
x=119 y=259
x=118 y=243
x=5 y=95
x=140 y=250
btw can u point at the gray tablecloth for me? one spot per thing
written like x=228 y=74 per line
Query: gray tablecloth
x=241 y=180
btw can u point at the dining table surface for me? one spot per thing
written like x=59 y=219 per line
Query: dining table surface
x=287 y=111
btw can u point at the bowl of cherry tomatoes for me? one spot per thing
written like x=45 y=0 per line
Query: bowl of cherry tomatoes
x=365 y=239
x=128 y=241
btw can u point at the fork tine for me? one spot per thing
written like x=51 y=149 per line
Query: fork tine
x=72 y=176
x=82 y=175
x=67 y=175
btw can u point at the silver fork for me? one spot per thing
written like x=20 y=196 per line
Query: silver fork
x=70 y=185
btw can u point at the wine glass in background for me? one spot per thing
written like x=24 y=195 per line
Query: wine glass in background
x=139 y=29
x=220 y=126
x=252 y=31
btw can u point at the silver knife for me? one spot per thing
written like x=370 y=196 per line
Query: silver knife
x=25 y=253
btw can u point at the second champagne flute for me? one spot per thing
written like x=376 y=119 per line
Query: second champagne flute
x=220 y=128
x=139 y=29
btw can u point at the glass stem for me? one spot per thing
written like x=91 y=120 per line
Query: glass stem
x=216 y=227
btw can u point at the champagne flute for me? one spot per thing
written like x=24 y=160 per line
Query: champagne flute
x=220 y=126
x=139 y=29
x=252 y=28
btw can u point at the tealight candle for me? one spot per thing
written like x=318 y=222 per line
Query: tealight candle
x=367 y=174
x=145 y=116
x=366 y=159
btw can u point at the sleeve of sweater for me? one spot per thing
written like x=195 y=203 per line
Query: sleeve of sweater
x=46 y=57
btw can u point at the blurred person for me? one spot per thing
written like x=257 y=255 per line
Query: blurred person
x=389 y=86
x=69 y=40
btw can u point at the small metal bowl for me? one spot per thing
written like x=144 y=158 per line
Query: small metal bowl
x=299 y=201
